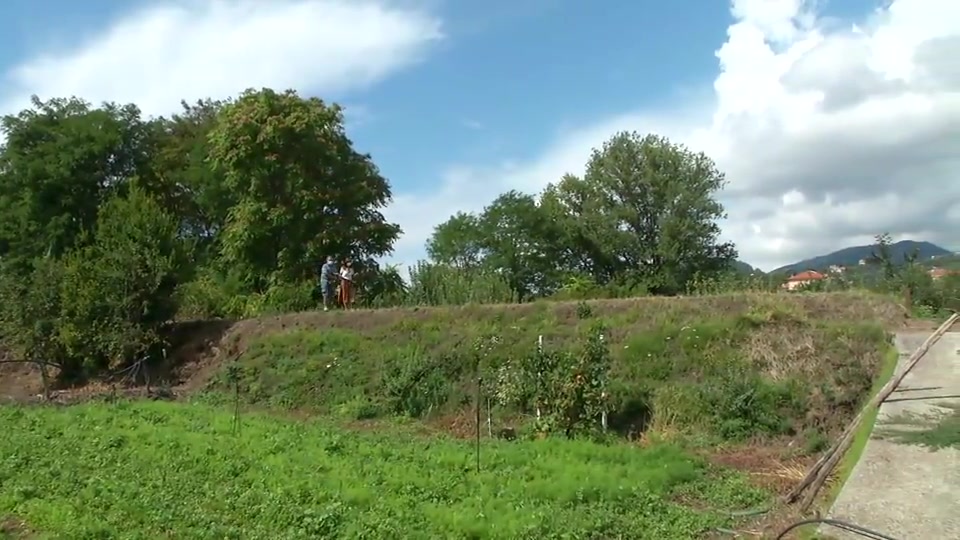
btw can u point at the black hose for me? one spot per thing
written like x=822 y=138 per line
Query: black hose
x=750 y=512
x=843 y=525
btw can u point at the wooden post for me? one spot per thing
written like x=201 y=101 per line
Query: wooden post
x=603 y=396
x=539 y=374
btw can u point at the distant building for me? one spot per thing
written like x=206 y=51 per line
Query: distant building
x=797 y=281
x=862 y=262
x=836 y=269
x=937 y=273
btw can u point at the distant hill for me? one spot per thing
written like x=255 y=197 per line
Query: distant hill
x=851 y=256
x=951 y=262
x=743 y=268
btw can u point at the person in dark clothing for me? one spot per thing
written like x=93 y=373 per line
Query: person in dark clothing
x=328 y=282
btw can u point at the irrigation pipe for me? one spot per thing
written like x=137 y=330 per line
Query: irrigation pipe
x=843 y=525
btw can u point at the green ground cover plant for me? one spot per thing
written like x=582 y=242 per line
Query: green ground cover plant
x=164 y=470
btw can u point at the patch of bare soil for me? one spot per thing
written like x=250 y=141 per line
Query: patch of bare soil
x=12 y=527
x=772 y=466
x=19 y=382
x=199 y=350
x=920 y=325
x=195 y=355
x=777 y=468
x=462 y=425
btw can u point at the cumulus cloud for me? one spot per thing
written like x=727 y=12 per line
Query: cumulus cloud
x=828 y=134
x=159 y=55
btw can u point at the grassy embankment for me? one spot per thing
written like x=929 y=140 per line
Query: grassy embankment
x=713 y=370
x=724 y=367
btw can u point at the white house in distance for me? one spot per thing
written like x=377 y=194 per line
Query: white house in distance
x=797 y=281
x=938 y=273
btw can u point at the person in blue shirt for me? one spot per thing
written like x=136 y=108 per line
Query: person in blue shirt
x=328 y=282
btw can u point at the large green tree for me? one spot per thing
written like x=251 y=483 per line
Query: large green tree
x=511 y=236
x=188 y=186
x=645 y=211
x=61 y=160
x=519 y=241
x=457 y=241
x=302 y=191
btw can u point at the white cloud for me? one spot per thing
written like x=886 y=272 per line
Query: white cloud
x=159 y=55
x=472 y=124
x=828 y=134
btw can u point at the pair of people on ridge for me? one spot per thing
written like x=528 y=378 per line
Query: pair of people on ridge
x=337 y=285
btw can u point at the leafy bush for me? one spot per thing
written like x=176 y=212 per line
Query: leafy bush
x=105 y=303
x=209 y=295
x=30 y=314
x=437 y=285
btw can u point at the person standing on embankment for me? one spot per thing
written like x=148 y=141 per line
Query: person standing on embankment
x=328 y=280
x=346 y=283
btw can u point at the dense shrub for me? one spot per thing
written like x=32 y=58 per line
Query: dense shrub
x=105 y=303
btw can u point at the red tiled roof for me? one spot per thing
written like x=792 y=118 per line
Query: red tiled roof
x=940 y=272
x=808 y=275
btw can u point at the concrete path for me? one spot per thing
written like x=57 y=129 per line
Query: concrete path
x=902 y=490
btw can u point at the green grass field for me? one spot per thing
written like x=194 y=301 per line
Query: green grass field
x=165 y=470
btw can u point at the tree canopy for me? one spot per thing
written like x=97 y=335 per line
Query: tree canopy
x=644 y=215
x=113 y=225
x=301 y=189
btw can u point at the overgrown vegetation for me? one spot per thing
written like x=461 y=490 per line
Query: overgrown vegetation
x=115 y=229
x=725 y=367
x=287 y=479
x=112 y=226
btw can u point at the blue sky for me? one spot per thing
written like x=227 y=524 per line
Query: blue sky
x=511 y=81
x=505 y=82
x=458 y=101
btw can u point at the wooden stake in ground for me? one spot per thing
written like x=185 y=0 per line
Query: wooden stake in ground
x=818 y=474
